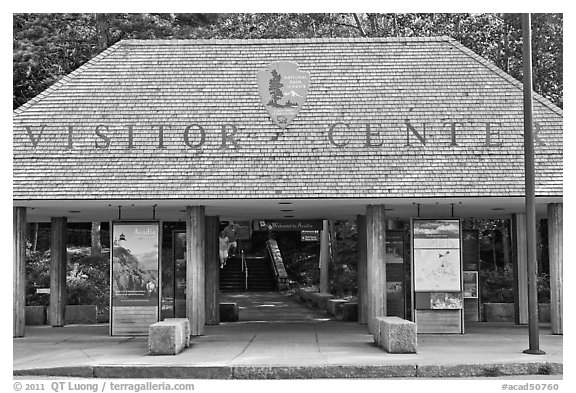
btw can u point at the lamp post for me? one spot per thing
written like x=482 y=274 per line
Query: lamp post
x=530 y=189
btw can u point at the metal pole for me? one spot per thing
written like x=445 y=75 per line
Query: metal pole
x=530 y=189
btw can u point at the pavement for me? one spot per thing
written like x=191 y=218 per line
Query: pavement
x=278 y=338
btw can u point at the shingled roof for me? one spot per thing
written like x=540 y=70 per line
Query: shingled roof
x=398 y=85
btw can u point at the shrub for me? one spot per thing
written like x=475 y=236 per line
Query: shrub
x=343 y=267
x=498 y=286
x=87 y=278
x=37 y=276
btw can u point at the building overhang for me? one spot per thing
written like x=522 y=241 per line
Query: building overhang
x=244 y=209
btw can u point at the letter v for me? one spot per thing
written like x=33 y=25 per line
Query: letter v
x=31 y=136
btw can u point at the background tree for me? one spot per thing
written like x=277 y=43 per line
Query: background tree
x=49 y=46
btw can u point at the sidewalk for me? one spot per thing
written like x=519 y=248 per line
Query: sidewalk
x=310 y=348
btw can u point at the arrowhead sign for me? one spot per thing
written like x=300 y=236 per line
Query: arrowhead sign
x=283 y=90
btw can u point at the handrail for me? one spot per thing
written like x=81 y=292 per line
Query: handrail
x=272 y=260
x=280 y=275
x=244 y=270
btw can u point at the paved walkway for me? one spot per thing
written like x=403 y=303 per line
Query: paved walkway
x=272 y=307
x=281 y=343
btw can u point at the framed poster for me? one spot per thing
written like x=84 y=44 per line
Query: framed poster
x=134 y=277
x=436 y=255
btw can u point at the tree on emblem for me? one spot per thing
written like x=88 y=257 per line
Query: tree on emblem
x=275 y=89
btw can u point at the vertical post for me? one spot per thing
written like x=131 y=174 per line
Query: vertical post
x=376 y=262
x=212 y=272
x=324 y=256
x=361 y=270
x=59 y=242
x=534 y=338
x=520 y=267
x=195 y=269
x=19 y=271
x=555 y=248
x=96 y=243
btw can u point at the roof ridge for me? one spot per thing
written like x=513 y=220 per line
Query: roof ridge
x=493 y=67
x=64 y=79
x=253 y=41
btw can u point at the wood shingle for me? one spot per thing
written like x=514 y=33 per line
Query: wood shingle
x=468 y=112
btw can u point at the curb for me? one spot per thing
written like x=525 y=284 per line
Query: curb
x=304 y=372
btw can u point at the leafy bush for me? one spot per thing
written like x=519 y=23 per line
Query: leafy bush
x=301 y=266
x=87 y=278
x=498 y=286
x=37 y=276
x=343 y=267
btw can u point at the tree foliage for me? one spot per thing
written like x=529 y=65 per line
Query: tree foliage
x=87 y=278
x=49 y=46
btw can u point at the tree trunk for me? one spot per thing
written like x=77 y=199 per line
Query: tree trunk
x=96 y=244
x=506 y=61
x=506 y=242
x=359 y=25
x=102 y=26
x=35 y=236
x=373 y=24
x=494 y=248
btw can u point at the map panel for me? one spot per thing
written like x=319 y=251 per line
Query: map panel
x=436 y=270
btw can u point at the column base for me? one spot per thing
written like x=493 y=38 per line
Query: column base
x=534 y=352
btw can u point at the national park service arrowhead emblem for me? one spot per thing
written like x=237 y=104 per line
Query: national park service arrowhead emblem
x=283 y=90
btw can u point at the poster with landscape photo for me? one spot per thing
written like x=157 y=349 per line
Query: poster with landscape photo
x=135 y=264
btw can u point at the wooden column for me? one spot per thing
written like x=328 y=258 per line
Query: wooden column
x=376 y=262
x=212 y=303
x=195 y=269
x=361 y=271
x=520 y=265
x=59 y=241
x=19 y=271
x=555 y=249
x=324 y=256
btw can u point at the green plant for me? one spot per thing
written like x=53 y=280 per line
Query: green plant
x=87 y=278
x=497 y=285
x=343 y=272
x=37 y=276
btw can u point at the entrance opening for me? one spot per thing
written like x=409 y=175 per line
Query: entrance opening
x=250 y=277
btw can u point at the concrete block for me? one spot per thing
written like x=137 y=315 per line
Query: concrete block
x=335 y=306
x=323 y=300
x=228 y=312
x=35 y=315
x=315 y=299
x=305 y=295
x=395 y=335
x=544 y=312
x=169 y=337
x=499 y=312
x=81 y=314
x=350 y=312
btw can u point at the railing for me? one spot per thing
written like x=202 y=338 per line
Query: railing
x=244 y=270
x=277 y=264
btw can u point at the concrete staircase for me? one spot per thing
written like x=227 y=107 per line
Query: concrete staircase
x=260 y=275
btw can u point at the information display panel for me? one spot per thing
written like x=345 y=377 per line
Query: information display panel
x=437 y=275
x=135 y=277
